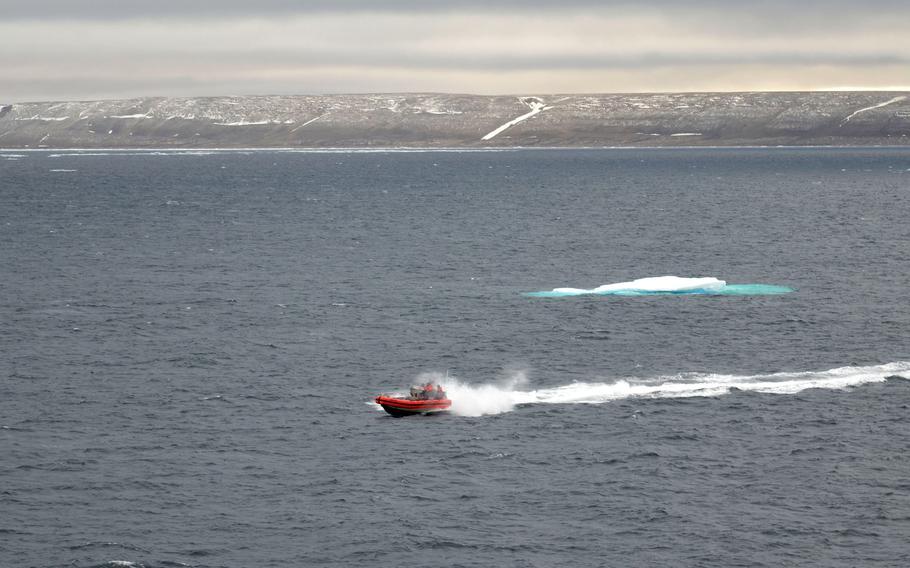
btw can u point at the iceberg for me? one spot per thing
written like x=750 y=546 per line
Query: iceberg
x=668 y=285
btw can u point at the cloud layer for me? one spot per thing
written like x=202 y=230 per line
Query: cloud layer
x=55 y=50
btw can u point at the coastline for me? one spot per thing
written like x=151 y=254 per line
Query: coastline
x=465 y=122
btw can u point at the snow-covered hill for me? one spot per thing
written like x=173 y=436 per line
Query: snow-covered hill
x=444 y=120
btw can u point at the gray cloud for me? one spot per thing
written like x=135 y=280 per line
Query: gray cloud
x=315 y=59
x=785 y=10
x=55 y=49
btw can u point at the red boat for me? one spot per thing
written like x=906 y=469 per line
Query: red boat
x=410 y=406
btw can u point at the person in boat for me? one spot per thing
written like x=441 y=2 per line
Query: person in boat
x=422 y=392
x=428 y=391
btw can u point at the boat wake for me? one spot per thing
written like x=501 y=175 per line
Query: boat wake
x=668 y=285
x=511 y=390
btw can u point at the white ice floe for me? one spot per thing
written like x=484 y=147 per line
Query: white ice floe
x=653 y=284
x=536 y=105
x=879 y=105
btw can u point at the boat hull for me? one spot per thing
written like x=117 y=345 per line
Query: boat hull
x=405 y=407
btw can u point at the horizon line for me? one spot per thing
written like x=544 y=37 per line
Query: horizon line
x=836 y=89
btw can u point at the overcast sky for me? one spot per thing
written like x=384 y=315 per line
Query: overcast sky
x=69 y=49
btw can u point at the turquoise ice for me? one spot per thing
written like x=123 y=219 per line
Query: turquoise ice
x=668 y=286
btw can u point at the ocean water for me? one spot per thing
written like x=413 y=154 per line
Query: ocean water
x=190 y=343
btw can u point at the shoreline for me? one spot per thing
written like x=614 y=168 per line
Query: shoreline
x=453 y=149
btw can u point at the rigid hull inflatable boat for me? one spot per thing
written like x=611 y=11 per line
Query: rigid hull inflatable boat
x=408 y=407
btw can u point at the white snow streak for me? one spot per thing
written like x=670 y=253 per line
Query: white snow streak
x=879 y=105
x=310 y=121
x=536 y=105
x=46 y=118
x=146 y=115
x=246 y=123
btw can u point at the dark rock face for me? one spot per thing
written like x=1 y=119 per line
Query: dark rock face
x=437 y=120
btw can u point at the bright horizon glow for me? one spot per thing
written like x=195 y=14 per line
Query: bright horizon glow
x=882 y=89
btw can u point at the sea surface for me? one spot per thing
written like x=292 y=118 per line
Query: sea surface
x=190 y=343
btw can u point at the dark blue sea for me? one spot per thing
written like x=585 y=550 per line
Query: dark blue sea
x=191 y=341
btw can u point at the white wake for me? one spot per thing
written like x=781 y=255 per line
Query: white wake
x=509 y=391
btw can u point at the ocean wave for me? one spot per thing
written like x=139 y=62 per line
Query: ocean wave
x=668 y=285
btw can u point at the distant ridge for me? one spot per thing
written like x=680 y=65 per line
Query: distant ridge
x=464 y=121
